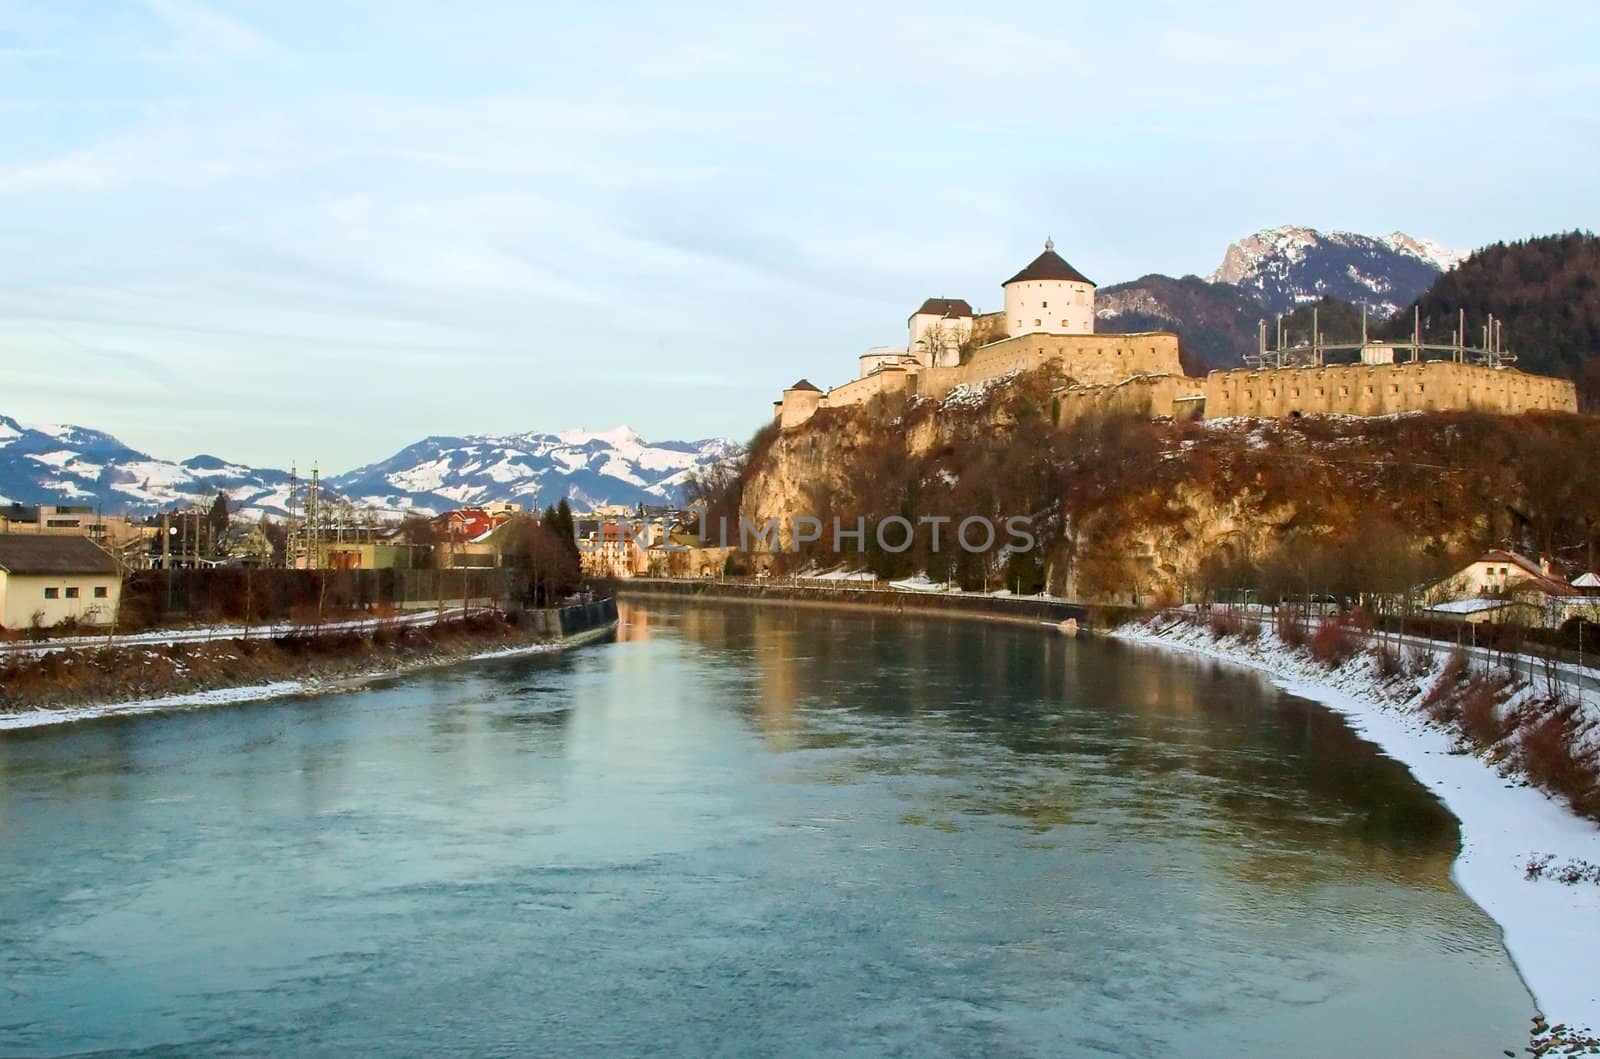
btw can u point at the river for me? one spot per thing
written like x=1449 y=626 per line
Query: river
x=744 y=830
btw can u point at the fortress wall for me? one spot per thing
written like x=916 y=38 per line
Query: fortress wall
x=1091 y=359
x=988 y=327
x=860 y=391
x=1149 y=396
x=1383 y=389
x=1140 y=374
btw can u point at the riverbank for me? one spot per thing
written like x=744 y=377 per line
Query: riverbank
x=1551 y=929
x=66 y=686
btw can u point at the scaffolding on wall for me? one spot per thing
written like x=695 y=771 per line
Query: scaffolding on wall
x=1315 y=351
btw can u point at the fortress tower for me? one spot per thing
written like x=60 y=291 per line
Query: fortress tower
x=936 y=331
x=1049 y=297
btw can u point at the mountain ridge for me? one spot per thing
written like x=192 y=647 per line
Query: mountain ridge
x=70 y=464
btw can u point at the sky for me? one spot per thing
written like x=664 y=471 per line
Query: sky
x=277 y=230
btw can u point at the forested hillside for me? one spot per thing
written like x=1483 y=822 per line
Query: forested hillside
x=1547 y=292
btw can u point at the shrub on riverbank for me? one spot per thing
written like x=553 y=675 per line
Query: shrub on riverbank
x=141 y=671
x=1332 y=644
x=1554 y=751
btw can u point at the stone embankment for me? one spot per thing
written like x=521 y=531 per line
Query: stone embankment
x=144 y=676
x=1024 y=610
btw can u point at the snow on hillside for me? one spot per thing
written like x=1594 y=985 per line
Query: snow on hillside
x=70 y=464
x=1291 y=265
x=591 y=468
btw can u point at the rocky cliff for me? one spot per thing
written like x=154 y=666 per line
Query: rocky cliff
x=1125 y=508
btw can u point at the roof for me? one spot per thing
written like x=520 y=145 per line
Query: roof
x=1553 y=586
x=1049 y=265
x=1474 y=605
x=28 y=553
x=945 y=307
x=1589 y=580
x=804 y=385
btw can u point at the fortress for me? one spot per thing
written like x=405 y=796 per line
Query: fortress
x=1048 y=318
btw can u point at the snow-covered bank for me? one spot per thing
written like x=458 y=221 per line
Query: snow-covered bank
x=276 y=689
x=1552 y=931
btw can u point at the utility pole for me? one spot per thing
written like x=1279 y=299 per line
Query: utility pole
x=291 y=533
x=166 y=556
x=314 y=520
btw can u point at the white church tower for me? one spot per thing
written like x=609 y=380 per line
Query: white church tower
x=1050 y=297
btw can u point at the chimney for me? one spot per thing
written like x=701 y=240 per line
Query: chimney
x=1546 y=567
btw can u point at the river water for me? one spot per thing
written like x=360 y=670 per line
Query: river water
x=738 y=831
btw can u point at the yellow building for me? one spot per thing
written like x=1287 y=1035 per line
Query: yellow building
x=46 y=579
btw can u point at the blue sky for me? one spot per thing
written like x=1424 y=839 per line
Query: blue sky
x=275 y=229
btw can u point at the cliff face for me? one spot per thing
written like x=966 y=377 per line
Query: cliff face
x=1124 y=508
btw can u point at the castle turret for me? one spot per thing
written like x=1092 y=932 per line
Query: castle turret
x=1049 y=297
x=800 y=403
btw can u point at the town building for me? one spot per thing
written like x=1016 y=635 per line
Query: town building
x=124 y=537
x=47 y=579
x=1503 y=587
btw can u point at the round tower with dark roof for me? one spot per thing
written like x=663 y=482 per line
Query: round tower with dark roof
x=1049 y=297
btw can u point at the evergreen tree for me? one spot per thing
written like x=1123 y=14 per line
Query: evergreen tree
x=566 y=527
x=217 y=520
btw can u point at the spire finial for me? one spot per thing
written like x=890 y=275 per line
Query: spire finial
x=1049 y=243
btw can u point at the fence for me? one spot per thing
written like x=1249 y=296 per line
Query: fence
x=161 y=597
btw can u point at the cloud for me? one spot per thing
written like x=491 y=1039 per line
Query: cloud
x=201 y=36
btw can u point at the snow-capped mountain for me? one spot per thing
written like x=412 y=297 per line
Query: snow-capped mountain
x=76 y=465
x=591 y=469
x=1290 y=266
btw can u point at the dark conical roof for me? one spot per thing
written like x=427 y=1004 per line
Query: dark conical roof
x=1049 y=265
x=945 y=307
x=804 y=385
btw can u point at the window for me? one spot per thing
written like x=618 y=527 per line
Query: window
x=72 y=593
x=1063 y=323
x=1036 y=323
x=100 y=592
x=1044 y=305
x=52 y=593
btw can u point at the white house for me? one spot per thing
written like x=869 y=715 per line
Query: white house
x=1504 y=587
x=46 y=580
x=936 y=331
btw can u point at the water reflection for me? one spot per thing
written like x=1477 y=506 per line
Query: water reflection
x=744 y=830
